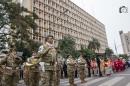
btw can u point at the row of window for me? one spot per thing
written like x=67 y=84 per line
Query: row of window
x=67 y=30
x=70 y=20
x=51 y=9
x=74 y=33
x=59 y=35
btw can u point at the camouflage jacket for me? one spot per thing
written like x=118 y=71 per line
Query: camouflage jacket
x=71 y=64
x=48 y=55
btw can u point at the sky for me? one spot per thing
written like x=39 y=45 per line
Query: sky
x=107 y=12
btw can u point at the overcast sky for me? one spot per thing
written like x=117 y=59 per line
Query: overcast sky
x=107 y=11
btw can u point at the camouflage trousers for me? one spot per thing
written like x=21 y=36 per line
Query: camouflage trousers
x=49 y=79
x=58 y=76
x=82 y=74
x=43 y=78
x=1 y=75
x=32 y=79
x=10 y=80
x=0 y=80
x=71 y=77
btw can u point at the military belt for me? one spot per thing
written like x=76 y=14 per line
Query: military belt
x=10 y=68
x=32 y=67
x=47 y=64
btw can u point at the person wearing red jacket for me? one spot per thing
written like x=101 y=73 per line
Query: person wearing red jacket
x=120 y=63
x=116 y=66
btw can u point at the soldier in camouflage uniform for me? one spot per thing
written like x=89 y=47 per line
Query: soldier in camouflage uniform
x=33 y=76
x=2 y=59
x=48 y=56
x=81 y=64
x=58 y=66
x=1 y=74
x=11 y=72
x=71 y=70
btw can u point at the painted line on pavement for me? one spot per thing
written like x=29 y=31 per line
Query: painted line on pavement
x=111 y=82
x=94 y=81
x=76 y=81
x=123 y=74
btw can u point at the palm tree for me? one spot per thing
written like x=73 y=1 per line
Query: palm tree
x=108 y=52
x=94 y=45
x=124 y=56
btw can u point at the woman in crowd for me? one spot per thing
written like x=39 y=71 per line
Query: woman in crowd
x=102 y=67
x=94 y=66
x=107 y=67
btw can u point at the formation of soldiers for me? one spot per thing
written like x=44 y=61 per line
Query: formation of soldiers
x=71 y=63
x=9 y=67
x=42 y=69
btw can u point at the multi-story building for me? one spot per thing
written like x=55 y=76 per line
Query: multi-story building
x=125 y=39
x=63 y=17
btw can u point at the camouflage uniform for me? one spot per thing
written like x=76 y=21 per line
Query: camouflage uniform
x=58 y=74
x=11 y=72
x=1 y=73
x=48 y=56
x=71 y=70
x=2 y=59
x=32 y=72
x=81 y=64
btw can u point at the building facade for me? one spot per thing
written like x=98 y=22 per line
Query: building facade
x=125 y=40
x=63 y=17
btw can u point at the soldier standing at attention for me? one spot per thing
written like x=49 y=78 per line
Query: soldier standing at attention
x=81 y=64
x=71 y=70
x=2 y=59
x=33 y=71
x=58 y=70
x=11 y=69
x=48 y=56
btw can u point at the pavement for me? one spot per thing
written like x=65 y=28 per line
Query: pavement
x=116 y=79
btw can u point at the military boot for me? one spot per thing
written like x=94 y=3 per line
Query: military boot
x=73 y=85
x=83 y=81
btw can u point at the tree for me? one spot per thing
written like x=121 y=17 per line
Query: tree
x=14 y=20
x=67 y=46
x=18 y=23
x=108 y=52
x=94 y=45
x=27 y=48
x=124 y=56
x=88 y=54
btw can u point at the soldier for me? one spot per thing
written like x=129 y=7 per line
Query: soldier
x=1 y=73
x=71 y=69
x=32 y=79
x=81 y=64
x=58 y=68
x=2 y=59
x=48 y=56
x=11 y=72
